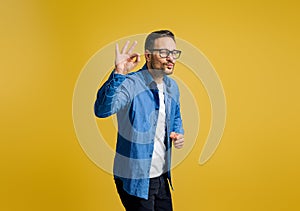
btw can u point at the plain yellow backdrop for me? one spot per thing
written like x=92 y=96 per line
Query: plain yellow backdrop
x=254 y=47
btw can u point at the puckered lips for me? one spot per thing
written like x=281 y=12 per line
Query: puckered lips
x=170 y=66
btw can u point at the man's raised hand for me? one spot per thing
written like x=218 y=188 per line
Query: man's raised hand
x=126 y=60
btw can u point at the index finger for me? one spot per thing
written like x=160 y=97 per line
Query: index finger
x=179 y=136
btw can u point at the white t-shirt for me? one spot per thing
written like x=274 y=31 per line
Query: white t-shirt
x=159 y=152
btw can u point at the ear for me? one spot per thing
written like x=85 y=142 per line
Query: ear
x=147 y=55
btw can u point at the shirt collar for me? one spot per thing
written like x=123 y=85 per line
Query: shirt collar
x=149 y=79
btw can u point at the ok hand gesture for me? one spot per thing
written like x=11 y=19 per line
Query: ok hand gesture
x=126 y=60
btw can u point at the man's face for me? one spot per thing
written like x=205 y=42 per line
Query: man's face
x=162 y=66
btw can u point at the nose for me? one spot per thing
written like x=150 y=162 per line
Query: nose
x=170 y=58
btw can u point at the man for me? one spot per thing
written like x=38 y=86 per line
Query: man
x=149 y=121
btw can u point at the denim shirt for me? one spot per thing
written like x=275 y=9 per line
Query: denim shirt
x=134 y=98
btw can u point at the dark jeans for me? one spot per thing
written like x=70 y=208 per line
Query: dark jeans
x=159 y=196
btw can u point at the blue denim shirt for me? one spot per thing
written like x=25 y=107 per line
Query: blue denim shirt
x=134 y=98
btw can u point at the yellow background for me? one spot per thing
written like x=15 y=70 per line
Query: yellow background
x=254 y=47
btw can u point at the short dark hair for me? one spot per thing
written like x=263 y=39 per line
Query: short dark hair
x=149 y=43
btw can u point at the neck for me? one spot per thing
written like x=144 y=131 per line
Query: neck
x=158 y=78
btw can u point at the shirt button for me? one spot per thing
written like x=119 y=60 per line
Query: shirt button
x=150 y=156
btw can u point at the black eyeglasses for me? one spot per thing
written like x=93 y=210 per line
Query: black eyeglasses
x=164 y=53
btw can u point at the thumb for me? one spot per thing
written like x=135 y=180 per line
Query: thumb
x=173 y=135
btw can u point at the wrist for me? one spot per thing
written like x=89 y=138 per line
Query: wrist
x=119 y=70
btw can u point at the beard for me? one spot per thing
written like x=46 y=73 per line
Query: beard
x=162 y=69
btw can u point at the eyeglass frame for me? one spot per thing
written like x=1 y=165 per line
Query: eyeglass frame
x=168 y=52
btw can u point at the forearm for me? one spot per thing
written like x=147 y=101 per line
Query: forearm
x=105 y=104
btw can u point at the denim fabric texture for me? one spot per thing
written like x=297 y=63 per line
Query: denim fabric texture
x=134 y=98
